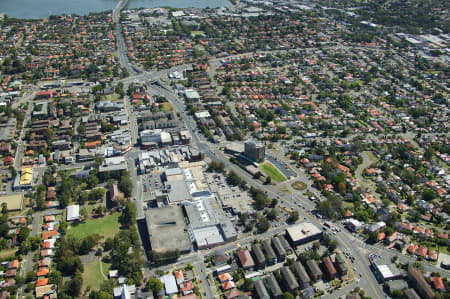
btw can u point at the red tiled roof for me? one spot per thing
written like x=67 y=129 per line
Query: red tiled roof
x=42 y=272
x=412 y=248
x=42 y=282
x=187 y=286
x=228 y=285
x=438 y=283
x=422 y=251
x=48 y=234
x=14 y=264
x=245 y=258
x=225 y=277
x=232 y=294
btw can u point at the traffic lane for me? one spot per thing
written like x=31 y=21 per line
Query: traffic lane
x=204 y=279
x=374 y=290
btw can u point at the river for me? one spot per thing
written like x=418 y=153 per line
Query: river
x=33 y=9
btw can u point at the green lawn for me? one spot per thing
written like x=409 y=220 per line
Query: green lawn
x=299 y=185
x=443 y=249
x=92 y=275
x=112 y=97
x=106 y=226
x=197 y=33
x=7 y=253
x=165 y=107
x=272 y=171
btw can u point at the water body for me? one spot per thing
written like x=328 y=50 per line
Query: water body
x=34 y=9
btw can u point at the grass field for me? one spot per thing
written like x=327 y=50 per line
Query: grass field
x=197 y=33
x=92 y=275
x=112 y=97
x=107 y=226
x=166 y=107
x=272 y=171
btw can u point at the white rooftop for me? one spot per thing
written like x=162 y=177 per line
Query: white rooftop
x=170 y=284
x=73 y=213
x=302 y=231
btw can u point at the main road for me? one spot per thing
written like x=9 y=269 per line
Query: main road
x=121 y=46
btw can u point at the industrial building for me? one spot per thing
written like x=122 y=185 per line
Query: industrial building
x=303 y=233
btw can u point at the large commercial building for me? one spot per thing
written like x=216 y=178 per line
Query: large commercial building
x=303 y=233
x=208 y=226
x=167 y=229
x=255 y=151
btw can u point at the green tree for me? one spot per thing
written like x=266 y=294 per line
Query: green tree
x=273 y=214
x=243 y=217
x=233 y=178
x=428 y=155
x=100 y=295
x=12 y=171
x=288 y=295
x=373 y=238
x=23 y=234
x=247 y=285
x=126 y=185
x=73 y=286
x=429 y=194
x=263 y=225
x=5 y=208
x=154 y=284
x=293 y=217
x=128 y=216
